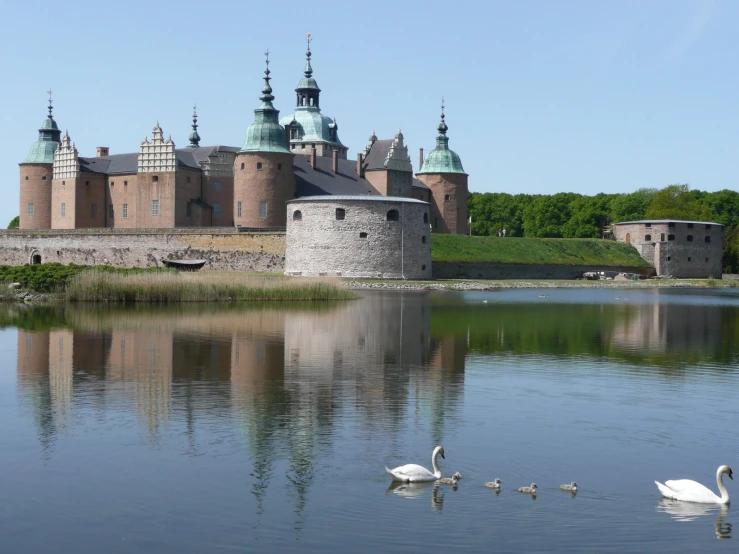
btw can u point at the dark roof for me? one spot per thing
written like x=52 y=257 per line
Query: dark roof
x=419 y=185
x=322 y=180
x=668 y=221
x=365 y=198
x=375 y=158
x=127 y=164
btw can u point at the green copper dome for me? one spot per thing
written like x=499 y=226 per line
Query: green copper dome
x=441 y=159
x=266 y=134
x=42 y=151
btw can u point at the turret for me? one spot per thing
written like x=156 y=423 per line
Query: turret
x=263 y=168
x=443 y=173
x=36 y=174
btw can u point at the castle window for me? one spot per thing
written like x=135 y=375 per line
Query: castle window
x=423 y=239
x=689 y=258
x=111 y=211
x=708 y=239
x=30 y=209
x=125 y=183
x=423 y=267
x=26 y=177
x=94 y=211
x=155 y=207
x=64 y=183
x=708 y=226
x=43 y=178
x=242 y=166
x=217 y=185
x=238 y=209
x=446 y=197
x=279 y=167
x=690 y=225
x=217 y=209
x=125 y=211
x=112 y=183
x=647 y=238
x=263 y=210
x=188 y=209
x=297 y=215
x=671 y=224
x=706 y=260
x=155 y=178
x=362 y=235
x=64 y=209
x=87 y=183
x=690 y=238
x=647 y=225
x=662 y=237
x=393 y=215
x=340 y=213
x=670 y=237
x=426 y=217
x=436 y=223
x=292 y=147
x=302 y=146
x=669 y=258
x=259 y=166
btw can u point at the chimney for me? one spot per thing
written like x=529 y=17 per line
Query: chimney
x=335 y=154
x=360 y=164
x=420 y=159
x=102 y=151
x=313 y=156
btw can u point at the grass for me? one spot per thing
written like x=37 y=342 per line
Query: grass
x=510 y=250
x=208 y=286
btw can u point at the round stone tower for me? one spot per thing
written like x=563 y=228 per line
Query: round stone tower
x=263 y=168
x=442 y=172
x=36 y=175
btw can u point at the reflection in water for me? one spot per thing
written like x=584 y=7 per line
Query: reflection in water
x=420 y=490
x=692 y=511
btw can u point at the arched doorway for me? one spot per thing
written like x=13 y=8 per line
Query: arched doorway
x=628 y=238
x=35 y=257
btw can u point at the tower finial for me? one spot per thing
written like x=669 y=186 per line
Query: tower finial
x=308 y=69
x=266 y=96
x=194 y=136
x=442 y=108
x=51 y=107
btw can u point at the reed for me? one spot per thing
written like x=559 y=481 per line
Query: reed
x=208 y=286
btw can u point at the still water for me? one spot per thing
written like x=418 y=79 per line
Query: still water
x=267 y=428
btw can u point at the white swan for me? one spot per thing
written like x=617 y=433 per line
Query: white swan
x=414 y=473
x=691 y=491
x=493 y=484
x=572 y=487
x=453 y=480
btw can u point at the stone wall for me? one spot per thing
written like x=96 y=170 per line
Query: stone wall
x=363 y=242
x=681 y=249
x=35 y=189
x=223 y=250
x=453 y=270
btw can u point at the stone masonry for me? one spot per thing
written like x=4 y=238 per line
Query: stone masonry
x=369 y=237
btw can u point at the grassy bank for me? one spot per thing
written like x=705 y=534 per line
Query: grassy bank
x=208 y=286
x=509 y=250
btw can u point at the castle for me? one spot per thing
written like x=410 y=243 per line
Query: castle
x=165 y=187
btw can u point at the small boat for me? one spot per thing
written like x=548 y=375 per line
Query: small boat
x=185 y=265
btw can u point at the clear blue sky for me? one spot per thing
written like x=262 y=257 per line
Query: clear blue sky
x=542 y=96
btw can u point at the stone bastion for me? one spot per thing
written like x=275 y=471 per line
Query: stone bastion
x=380 y=237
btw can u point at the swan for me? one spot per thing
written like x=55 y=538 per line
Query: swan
x=691 y=491
x=453 y=480
x=572 y=487
x=414 y=473
x=529 y=490
x=493 y=484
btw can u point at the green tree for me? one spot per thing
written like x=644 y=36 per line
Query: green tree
x=633 y=206
x=589 y=215
x=14 y=223
x=678 y=202
x=724 y=206
x=545 y=216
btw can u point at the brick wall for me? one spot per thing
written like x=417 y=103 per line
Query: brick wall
x=220 y=189
x=164 y=190
x=448 y=201
x=122 y=189
x=363 y=244
x=90 y=190
x=35 y=188
x=63 y=198
x=227 y=250
x=274 y=184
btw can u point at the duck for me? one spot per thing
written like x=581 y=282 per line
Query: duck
x=687 y=490
x=453 y=480
x=414 y=473
x=529 y=490
x=493 y=484
x=572 y=487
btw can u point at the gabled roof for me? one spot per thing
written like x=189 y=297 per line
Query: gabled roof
x=127 y=164
x=323 y=181
x=375 y=158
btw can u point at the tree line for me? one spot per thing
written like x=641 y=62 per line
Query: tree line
x=571 y=215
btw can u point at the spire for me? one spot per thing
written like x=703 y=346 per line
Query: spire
x=441 y=159
x=308 y=69
x=194 y=136
x=49 y=136
x=266 y=96
x=442 y=126
x=51 y=107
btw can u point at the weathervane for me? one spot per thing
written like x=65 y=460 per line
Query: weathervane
x=309 y=39
x=442 y=107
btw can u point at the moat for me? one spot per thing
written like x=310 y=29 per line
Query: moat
x=254 y=428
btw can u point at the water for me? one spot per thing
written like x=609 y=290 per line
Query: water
x=267 y=428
